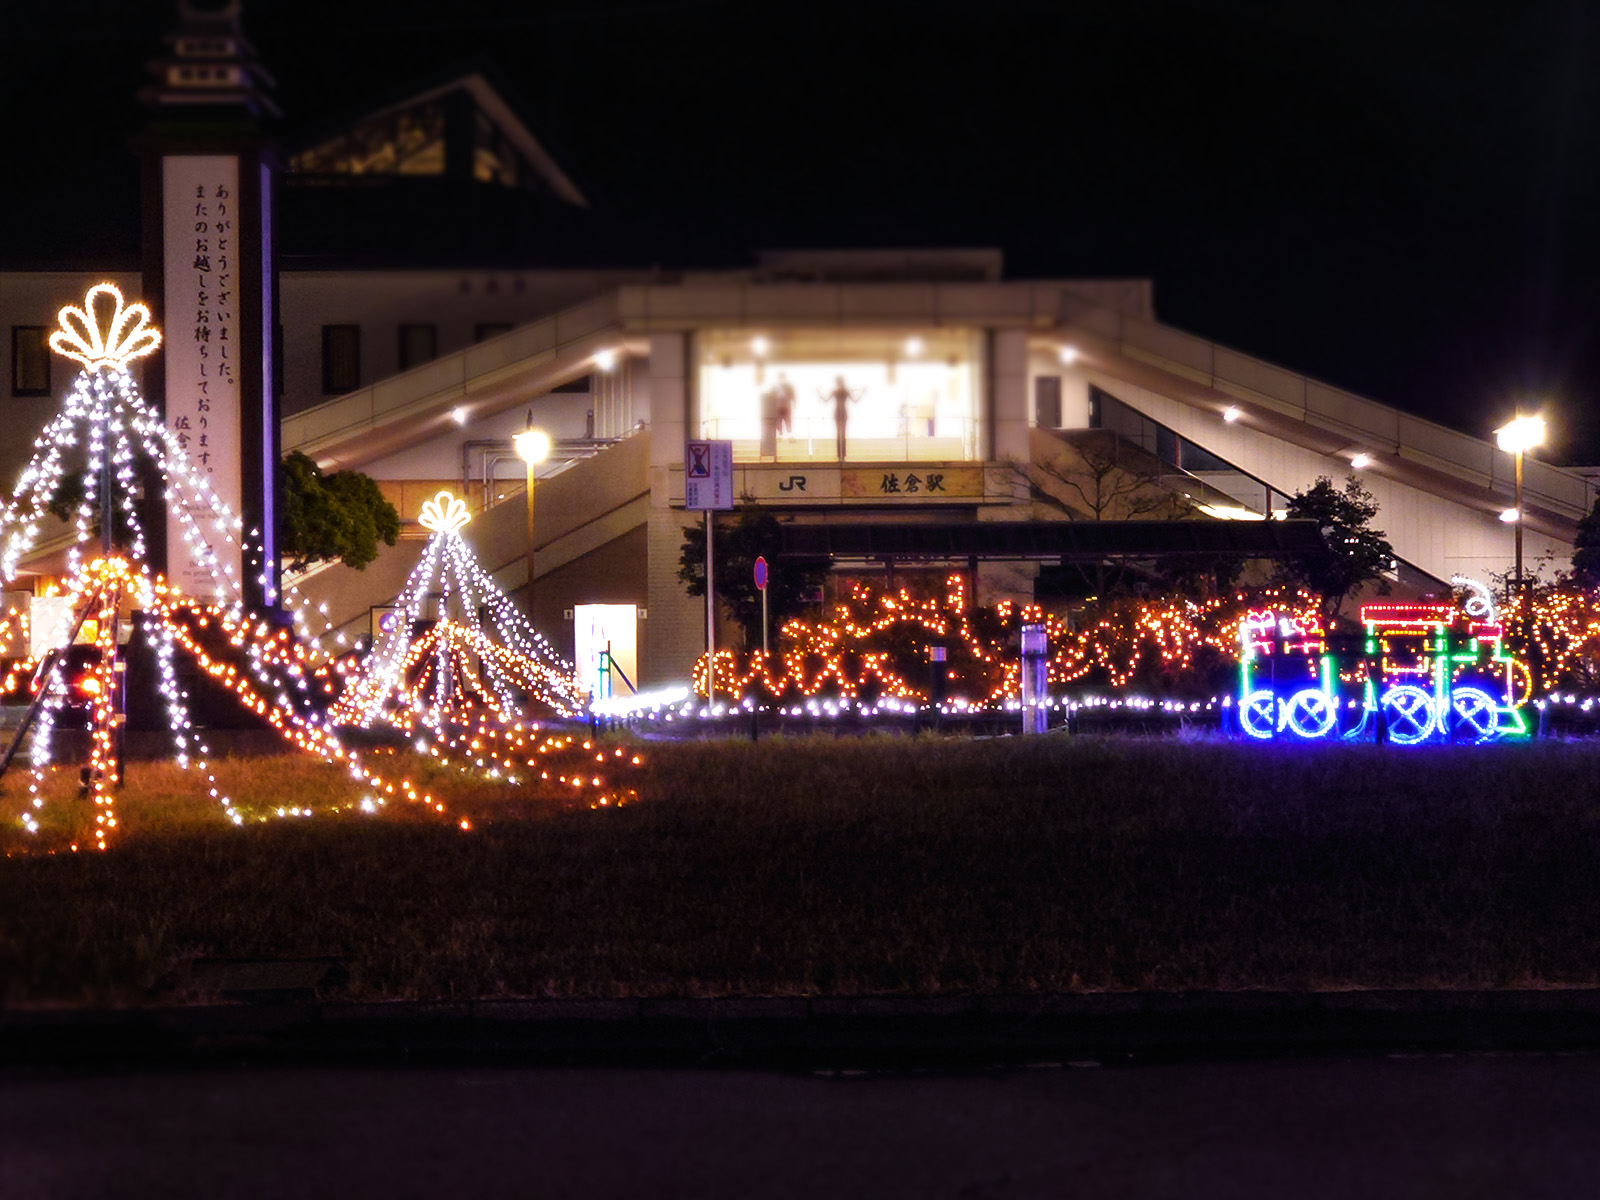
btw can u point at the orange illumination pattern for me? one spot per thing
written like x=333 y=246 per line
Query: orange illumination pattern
x=879 y=641
x=272 y=674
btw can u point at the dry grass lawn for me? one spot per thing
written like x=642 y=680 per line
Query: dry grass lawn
x=805 y=866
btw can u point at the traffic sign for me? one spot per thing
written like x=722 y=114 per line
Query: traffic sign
x=761 y=573
x=708 y=475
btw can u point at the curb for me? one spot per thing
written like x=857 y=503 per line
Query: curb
x=882 y=1032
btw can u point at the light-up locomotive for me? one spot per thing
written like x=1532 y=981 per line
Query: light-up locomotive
x=1421 y=672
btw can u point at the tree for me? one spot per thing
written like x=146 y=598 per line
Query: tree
x=1353 y=553
x=1092 y=476
x=340 y=516
x=1096 y=477
x=753 y=534
x=69 y=495
x=1586 y=550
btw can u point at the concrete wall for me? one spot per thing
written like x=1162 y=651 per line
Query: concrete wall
x=1008 y=398
x=381 y=301
x=611 y=574
x=1437 y=535
x=560 y=414
x=36 y=298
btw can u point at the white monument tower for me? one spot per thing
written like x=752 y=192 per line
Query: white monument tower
x=210 y=279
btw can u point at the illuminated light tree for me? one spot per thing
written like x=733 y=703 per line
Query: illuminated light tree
x=465 y=678
x=104 y=417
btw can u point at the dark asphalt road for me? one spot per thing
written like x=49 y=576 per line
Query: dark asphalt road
x=1457 y=1127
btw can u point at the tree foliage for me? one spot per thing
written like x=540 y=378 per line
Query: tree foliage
x=1353 y=552
x=1586 y=550
x=69 y=495
x=754 y=533
x=340 y=516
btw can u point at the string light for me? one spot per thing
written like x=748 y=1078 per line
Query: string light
x=878 y=642
x=1430 y=670
x=270 y=673
x=457 y=689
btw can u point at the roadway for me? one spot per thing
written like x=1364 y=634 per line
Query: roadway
x=1520 y=1125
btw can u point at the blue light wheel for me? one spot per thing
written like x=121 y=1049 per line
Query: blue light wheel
x=1477 y=715
x=1258 y=714
x=1310 y=713
x=1410 y=713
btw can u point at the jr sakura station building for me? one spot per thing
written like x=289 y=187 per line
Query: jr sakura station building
x=899 y=409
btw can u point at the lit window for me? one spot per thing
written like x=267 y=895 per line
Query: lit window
x=832 y=395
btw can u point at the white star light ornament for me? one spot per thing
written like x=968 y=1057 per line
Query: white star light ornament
x=444 y=514
x=126 y=335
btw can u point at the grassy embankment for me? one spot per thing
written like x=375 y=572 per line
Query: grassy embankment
x=854 y=866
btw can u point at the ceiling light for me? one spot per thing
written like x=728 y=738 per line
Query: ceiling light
x=605 y=359
x=914 y=347
x=458 y=415
x=759 y=346
x=1510 y=515
x=1361 y=461
x=1069 y=355
x=1231 y=414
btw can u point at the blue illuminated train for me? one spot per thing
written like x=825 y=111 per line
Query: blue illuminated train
x=1422 y=672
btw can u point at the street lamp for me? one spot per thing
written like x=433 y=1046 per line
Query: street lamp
x=533 y=447
x=1516 y=436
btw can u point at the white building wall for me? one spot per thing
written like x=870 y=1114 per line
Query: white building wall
x=1011 y=395
x=456 y=302
x=1074 y=388
x=668 y=384
x=560 y=414
x=37 y=298
x=1437 y=535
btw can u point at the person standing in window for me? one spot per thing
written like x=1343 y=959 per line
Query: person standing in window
x=777 y=414
x=783 y=403
x=842 y=397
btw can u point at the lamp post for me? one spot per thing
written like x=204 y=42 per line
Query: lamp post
x=1516 y=436
x=533 y=447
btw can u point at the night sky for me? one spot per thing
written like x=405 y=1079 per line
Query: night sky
x=1397 y=198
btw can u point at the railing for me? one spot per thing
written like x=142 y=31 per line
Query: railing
x=1367 y=424
x=453 y=375
x=815 y=439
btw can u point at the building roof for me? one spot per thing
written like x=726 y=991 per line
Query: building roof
x=1051 y=541
x=491 y=96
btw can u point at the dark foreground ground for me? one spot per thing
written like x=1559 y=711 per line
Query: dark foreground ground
x=823 y=867
x=1515 y=1126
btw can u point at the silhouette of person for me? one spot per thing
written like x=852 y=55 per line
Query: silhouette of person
x=777 y=414
x=841 y=397
x=783 y=403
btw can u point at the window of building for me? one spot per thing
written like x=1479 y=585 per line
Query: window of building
x=30 y=361
x=341 y=359
x=490 y=329
x=410 y=141
x=1174 y=450
x=856 y=395
x=1047 y=401
x=418 y=344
